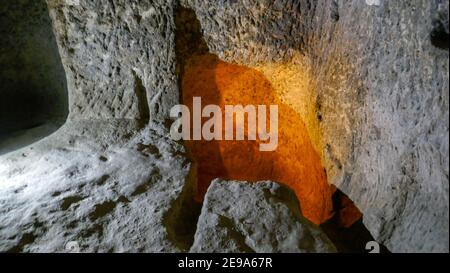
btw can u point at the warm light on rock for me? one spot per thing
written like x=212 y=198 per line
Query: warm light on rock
x=224 y=126
x=295 y=162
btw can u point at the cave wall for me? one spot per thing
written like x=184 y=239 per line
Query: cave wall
x=395 y=155
x=381 y=75
x=32 y=80
x=382 y=81
x=119 y=57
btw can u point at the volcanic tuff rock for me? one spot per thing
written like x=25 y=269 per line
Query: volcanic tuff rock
x=260 y=217
x=381 y=77
x=119 y=57
x=107 y=187
x=111 y=187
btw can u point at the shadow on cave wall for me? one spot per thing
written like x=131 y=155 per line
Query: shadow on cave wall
x=33 y=90
x=200 y=74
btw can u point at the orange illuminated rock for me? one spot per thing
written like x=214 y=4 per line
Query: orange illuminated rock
x=345 y=212
x=294 y=163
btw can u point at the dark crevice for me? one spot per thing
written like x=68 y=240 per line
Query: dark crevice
x=182 y=217
x=439 y=36
x=141 y=94
x=347 y=239
x=239 y=238
x=335 y=11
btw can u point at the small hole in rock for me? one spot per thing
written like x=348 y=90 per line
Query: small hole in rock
x=439 y=36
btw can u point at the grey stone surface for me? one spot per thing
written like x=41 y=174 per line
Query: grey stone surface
x=382 y=93
x=106 y=186
x=254 y=31
x=262 y=217
x=381 y=72
x=119 y=57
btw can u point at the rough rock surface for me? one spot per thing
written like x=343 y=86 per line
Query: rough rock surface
x=382 y=94
x=119 y=57
x=108 y=187
x=382 y=97
x=262 y=217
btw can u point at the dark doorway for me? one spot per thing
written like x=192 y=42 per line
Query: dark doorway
x=33 y=89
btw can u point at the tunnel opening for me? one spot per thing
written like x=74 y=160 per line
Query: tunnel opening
x=296 y=162
x=33 y=89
